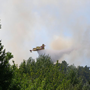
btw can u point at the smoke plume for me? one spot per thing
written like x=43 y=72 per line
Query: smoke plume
x=55 y=54
x=60 y=24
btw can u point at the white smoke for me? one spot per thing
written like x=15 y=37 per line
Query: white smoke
x=26 y=23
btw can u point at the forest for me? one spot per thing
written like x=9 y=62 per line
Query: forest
x=42 y=74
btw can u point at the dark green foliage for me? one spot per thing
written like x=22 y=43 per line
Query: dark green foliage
x=44 y=75
x=6 y=72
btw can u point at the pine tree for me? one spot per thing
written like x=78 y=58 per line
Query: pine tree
x=5 y=69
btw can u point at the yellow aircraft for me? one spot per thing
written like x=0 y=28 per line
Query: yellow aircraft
x=38 y=48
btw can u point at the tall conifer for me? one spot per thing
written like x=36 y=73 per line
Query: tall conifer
x=5 y=69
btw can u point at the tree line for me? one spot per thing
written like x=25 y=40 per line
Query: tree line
x=41 y=75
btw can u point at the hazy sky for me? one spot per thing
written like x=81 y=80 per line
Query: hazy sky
x=59 y=24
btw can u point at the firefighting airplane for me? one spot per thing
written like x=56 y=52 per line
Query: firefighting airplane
x=38 y=48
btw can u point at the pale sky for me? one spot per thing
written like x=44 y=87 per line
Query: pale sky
x=59 y=24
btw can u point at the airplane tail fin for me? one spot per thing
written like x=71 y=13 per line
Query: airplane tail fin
x=30 y=50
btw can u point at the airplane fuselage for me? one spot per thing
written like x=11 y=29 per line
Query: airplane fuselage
x=38 y=48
